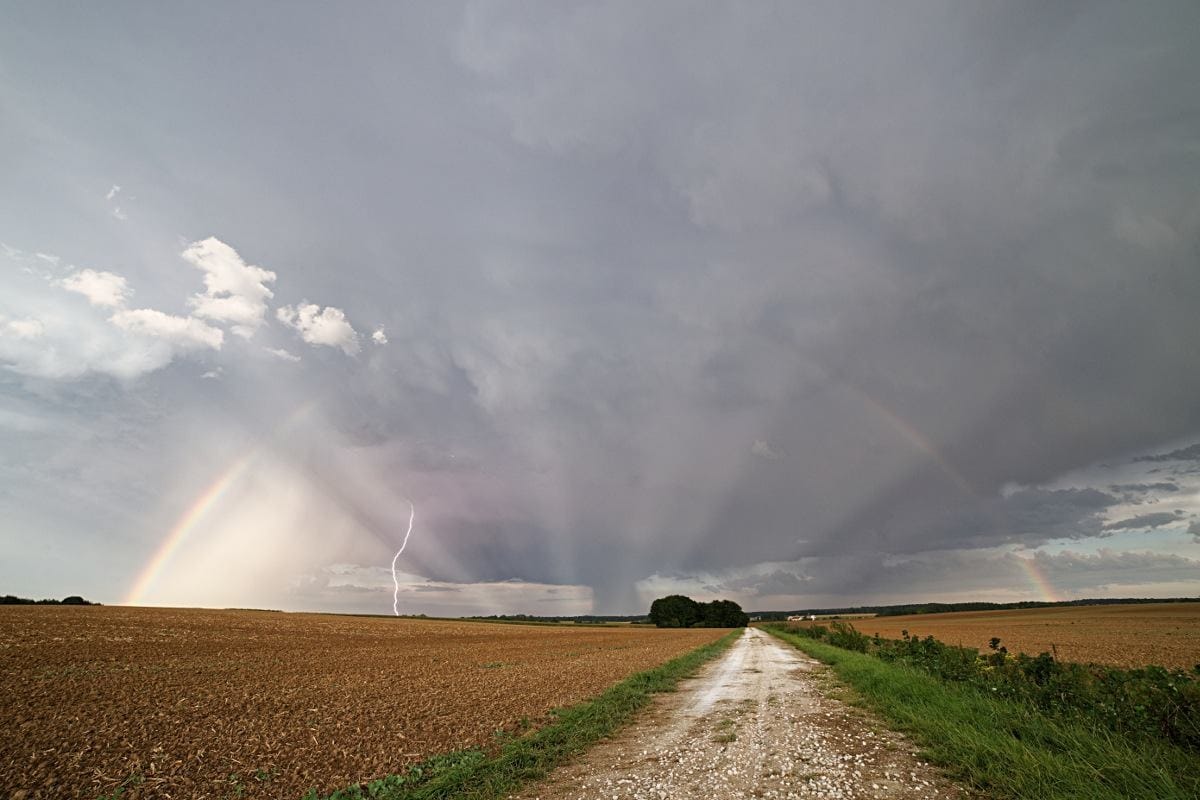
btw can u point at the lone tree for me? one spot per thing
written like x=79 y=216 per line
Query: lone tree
x=678 y=611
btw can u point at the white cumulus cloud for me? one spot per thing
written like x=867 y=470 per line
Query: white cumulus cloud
x=67 y=345
x=186 y=333
x=45 y=333
x=379 y=337
x=282 y=355
x=234 y=291
x=100 y=288
x=316 y=325
x=22 y=328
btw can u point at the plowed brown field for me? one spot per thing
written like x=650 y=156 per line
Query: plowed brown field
x=225 y=704
x=1167 y=634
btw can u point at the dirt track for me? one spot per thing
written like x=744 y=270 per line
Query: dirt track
x=759 y=722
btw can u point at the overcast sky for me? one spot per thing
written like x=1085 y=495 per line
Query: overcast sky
x=797 y=304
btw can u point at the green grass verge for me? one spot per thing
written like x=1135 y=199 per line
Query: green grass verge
x=1004 y=748
x=477 y=775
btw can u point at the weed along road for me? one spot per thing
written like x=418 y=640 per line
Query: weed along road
x=761 y=721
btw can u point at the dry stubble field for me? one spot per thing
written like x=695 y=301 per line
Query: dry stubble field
x=184 y=700
x=1167 y=634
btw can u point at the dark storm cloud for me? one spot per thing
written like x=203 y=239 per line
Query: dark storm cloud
x=777 y=582
x=659 y=298
x=956 y=319
x=1155 y=520
x=431 y=587
x=1053 y=513
x=984 y=574
x=1142 y=488
x=913 y=517
x=491 y=550
x=1191 y=453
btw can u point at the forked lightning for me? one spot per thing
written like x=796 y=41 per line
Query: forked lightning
x=395 y=583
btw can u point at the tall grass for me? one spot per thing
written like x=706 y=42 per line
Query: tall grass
x=479 y=775
x=1004 y=747
x=1149 y=702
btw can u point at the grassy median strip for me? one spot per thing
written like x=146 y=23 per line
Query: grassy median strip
x=1005 y=748
x=478 y=775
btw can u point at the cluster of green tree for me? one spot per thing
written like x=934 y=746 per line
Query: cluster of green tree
x=679 y=611
x=936 y=608
x=73 y=600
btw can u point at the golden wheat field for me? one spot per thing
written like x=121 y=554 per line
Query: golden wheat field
x=193 y=703
x=1167 y=634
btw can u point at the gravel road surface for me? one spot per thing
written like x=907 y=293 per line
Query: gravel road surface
x=760 y=722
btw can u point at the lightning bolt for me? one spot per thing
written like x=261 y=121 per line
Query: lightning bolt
x=395 y=583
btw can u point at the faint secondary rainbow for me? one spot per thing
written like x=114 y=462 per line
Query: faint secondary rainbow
x=197 y=510
x=914 y=437
x=920 y=441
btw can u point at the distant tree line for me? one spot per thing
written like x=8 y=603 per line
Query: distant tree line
x=680 y=611
x=938 y=608
x=585 y=619
x=73 y=600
